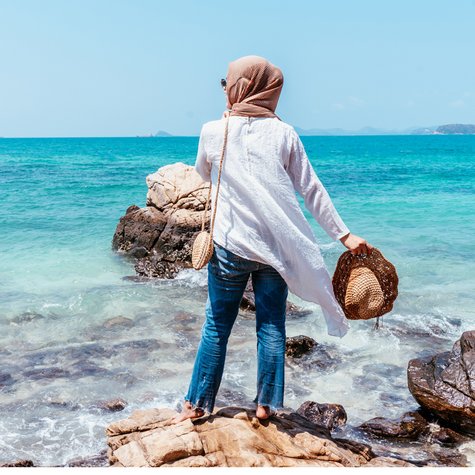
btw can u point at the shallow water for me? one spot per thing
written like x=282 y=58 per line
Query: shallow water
x=61 y=353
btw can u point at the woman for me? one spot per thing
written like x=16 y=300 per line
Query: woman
x=261 y=232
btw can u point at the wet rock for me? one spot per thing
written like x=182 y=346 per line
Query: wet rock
x=326 y=415
x=27 y=317
x=139 y=228
x=147 y=438
x=112 y=405
x=363 y=450
x=375 y=375
x=155 y=266
x=99 y=460
x=297 y=346
x=119 y=321
x=321 y=358
x=82 y=368
x=46 y=373
x=444 y=384
x=444 y=435
x=19 y=463
x=84 y=351
x=409 y=426
x=160 y=235
x=6 y=380
x=147 y=344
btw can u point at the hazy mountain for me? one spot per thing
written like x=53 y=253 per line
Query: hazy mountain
x=163 y=133
x=416 y=130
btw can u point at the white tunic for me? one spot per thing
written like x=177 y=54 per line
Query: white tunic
x=259 y=216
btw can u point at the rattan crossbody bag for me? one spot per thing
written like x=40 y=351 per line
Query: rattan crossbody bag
x=202 y=249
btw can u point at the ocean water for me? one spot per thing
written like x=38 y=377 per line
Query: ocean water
x=63 y=351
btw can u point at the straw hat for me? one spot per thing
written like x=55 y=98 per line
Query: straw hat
x=365 y=285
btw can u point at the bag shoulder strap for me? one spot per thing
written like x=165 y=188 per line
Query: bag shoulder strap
x=223 y=150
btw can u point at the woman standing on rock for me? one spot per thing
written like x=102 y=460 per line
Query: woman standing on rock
x=261 y=231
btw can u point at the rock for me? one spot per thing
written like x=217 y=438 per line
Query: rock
x=119 y=322
x=409 y=426
x=176 y=186
x=160 y=235
x=326 y=415
x=112 y=405
x=297 y=346
x=46 y=373
x=444 y=384
x=140 y=227
x=230 y=437
x=99 y=460
x=19 y=463
x=27 y=317
x=319 y=357
x=6 y=380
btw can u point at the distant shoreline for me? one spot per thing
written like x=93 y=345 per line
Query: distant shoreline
x=197 y=136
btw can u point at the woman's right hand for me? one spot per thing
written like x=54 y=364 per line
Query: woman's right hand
x=357 y=245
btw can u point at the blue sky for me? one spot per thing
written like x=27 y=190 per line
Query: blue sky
x=125 y=68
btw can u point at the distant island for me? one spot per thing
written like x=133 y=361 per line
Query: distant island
x=448 y=129
x=160 y=133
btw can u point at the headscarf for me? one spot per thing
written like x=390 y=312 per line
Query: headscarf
x=253 y=87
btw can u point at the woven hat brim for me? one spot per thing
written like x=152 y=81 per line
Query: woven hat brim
x=384 y=271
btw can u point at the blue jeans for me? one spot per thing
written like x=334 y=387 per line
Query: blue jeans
x=228 y=274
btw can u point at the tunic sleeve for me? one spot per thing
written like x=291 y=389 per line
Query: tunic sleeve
x=202 y=165
x=309 y=186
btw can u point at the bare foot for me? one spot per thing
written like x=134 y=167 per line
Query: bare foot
x=187 y=413
x=263 y=412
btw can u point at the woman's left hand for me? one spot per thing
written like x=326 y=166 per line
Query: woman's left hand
x=357 y=245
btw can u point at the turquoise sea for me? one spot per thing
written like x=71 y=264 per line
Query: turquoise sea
x=63 y=351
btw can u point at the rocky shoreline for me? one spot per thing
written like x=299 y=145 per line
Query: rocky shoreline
x=157 y=240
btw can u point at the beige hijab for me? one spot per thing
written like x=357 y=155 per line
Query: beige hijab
x=253 y=87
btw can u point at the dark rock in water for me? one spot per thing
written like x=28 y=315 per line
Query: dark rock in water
x=156 y=266
x=322 y=358
x=148 y=344
x=27 y=317
x=294 y=311
x=84 y=351
x=409 y=426
x=119 y=321
x=112 y=405
x=6 y=380
x=375 y=375
x=231 y=397
x=297 y=346
x=444 y=384
x=46 y=373
x=83 y=368
x=19 y=463
x=139 y=228
x=99 y=460
x=444 y=436
x=327 y=415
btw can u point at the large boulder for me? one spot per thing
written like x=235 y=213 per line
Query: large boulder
x=160 y=235
x=444 y=384
x=231 y=437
